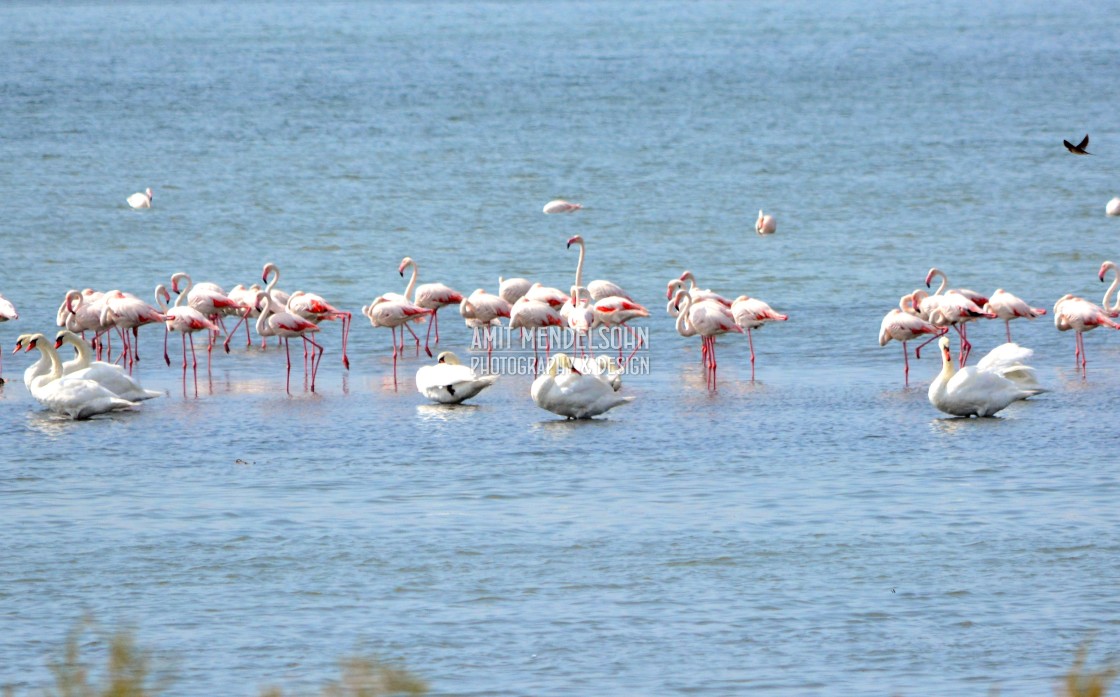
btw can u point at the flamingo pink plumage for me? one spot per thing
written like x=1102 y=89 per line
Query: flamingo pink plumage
x=287 y=325
x=533 y=315
x=709 y=319
x=597 y=289
x=393 y=312
x=902 y=324
x=751 y=313
x=128 y=312
x=1080 y=315
x=431 y=296
x=184 y=319
x=1007 y=307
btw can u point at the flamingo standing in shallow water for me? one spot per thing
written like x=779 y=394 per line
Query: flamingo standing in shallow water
x=1080 y=315
x=393 y=312
x=902 y=324
x=751 y=313
x=286 y=325
x=184 y=319
x=532 y=315
x=481 y=310
x=709 y=319
x=430 y=296
x=125 y=312
x=1007 y=307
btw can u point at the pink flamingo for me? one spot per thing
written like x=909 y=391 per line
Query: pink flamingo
x=211 y=300
x=598 y=289
x=697 y=294
x=1007 y=307
x=310 y=306
x=128 y=312
x=511 y=289
x=81 y=312
x=186 y=320
x=709 y=319
x=394 y=312
x=1110 y=309
x=580 y=317
x=614 y=312
x=1080 y=315
x=902 y=324
x=561 y=206
x=286 y=325
x=752 y=313
x=546 y=294
x=481 y=310
x=431 y=296
x=949 y=310
x=972 y=295
x=246 y=296
x=533 y=315
x=765 y=225
x=7 y=312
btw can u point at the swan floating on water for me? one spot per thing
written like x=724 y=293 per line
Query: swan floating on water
x=984 y=389
x=563 y=390
x=449 y=381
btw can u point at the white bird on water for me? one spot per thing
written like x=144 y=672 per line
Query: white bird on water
x=449 y=381
x=983 y=389
x=141 y=200
x=561 y=206
x=1112 y=207
x=563 y=390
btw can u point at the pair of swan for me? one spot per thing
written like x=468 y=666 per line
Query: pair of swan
x=562 y=389
x=999 y=379
x=80 y=388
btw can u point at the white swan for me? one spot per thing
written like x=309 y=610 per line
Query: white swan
x=141 y=200
x=77 y=398
x=1112 y=207
x=449 y=381
x=109 y=375
x=36 y=369
x=974 y=391
x=564 y=391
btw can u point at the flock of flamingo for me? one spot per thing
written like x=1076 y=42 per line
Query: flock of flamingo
x=575 y=386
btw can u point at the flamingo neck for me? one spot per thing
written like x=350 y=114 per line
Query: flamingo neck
x=1112 y=289
x=579 y=264
x=684 y=304
x=944 y=282
x=411 y=281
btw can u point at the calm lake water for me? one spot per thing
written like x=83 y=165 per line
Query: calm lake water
x=820 y=530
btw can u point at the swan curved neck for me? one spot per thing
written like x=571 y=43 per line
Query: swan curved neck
x=85 y=355
x=48 y=351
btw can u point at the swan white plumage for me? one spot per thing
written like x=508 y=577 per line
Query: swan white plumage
x=109 y=375
x=976 y=391
x=563 y=390
x=449 y=381
x=1112 y=208
x=141 y=200
x=77 y=398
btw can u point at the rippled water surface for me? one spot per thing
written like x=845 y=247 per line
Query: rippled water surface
x=820 y=530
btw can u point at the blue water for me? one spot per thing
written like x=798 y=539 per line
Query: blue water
x=821 y=530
